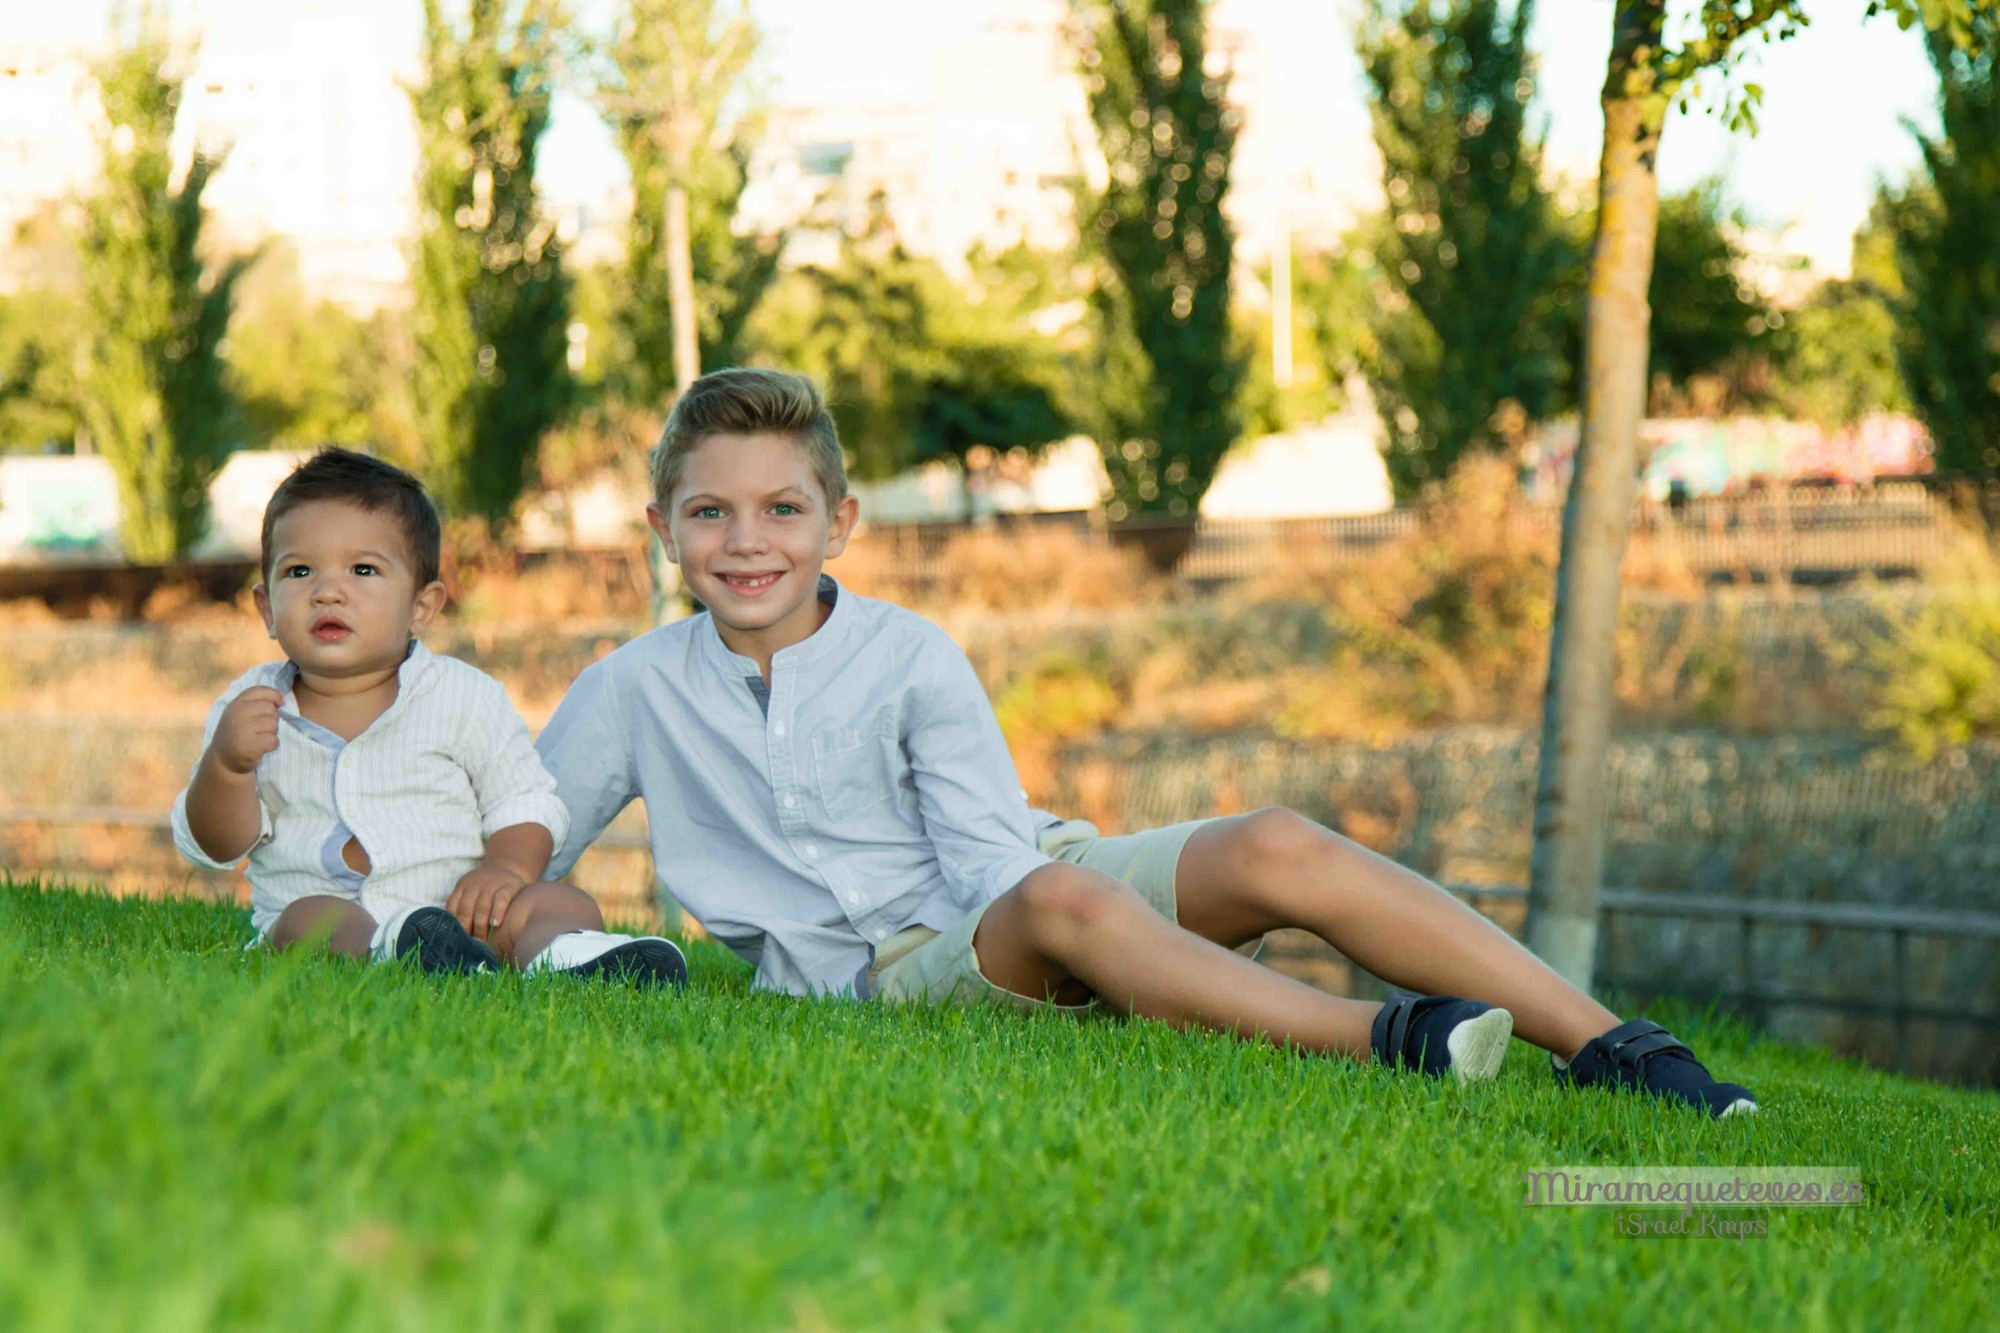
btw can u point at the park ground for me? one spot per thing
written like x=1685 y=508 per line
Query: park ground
x=195 y=1137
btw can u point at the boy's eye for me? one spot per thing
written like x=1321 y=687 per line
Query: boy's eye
x=708 y=511
x=785 y=508
x=366 y=570
x=298 y=571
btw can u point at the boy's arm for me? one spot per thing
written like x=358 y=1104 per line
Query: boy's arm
x=585 y=749
x=219 y=818
x=967 y=789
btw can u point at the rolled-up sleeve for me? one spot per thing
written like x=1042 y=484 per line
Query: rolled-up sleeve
x=507 y=775
x=968 y=791
x=184 y=841
x=585 y=751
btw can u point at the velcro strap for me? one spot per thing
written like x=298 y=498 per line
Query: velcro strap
x=1401 y=1009
x=1636 y=1050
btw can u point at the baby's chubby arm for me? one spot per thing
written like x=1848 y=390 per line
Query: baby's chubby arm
x=222 y=809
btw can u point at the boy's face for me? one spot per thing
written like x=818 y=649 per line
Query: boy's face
x=343 y=598
x=751 y=529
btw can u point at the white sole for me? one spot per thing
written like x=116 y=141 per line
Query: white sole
x=1741 y=1106
x=1478 y=1045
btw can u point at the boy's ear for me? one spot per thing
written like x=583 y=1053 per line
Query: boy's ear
x=430 y=601
x=261 y=595
x=657 y=521
x=845 y=515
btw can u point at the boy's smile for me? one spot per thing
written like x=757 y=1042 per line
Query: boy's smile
x=751 y=529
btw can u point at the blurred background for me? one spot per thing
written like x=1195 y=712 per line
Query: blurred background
x=1210 y=370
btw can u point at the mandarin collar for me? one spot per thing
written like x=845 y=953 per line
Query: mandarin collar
x=803 y=653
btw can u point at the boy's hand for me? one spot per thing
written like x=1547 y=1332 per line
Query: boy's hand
x=248 y=730
x=480 y=899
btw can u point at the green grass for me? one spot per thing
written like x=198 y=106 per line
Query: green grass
x=194 y=1137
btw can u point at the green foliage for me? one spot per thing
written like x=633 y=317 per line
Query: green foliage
x=492 y=300
x=37 y=370
x=1706 y=316
x=1939 y=674
x=153 y=391
x=412 y=1151
x=671 y=90
x=1474 y=256
x=1944 y=224
x=1168 y=365
x=309 y=373
x=916 y=366
x=1836 y=354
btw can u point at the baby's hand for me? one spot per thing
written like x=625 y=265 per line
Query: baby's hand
x=480 y=899
x=248 y=730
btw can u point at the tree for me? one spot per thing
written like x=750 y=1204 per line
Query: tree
x=152 y=392
x=1168 y=369
x=671 y=85
x=1947 y=314
x=310 y=372
x=1707 y=317
x=491 y=313
x=1474 y=254
x=1645 y=75
x=1836 y=354
x=917 y=367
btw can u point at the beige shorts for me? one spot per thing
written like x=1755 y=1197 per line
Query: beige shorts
x=939 y=968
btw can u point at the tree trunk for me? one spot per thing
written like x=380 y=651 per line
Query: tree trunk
x=680 y=287
x=1568 y=861
x=668 y=604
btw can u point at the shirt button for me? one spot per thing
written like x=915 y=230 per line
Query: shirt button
x=812 y=851
x=777 y=728
x=791 y=801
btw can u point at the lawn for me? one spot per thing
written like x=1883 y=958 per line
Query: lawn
x=193 y=1137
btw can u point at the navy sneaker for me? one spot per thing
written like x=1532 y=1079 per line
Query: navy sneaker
x=437 y=941
x=1436 y=1034
x=1641 y=1054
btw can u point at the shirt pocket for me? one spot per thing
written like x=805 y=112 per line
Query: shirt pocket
x=855 y=769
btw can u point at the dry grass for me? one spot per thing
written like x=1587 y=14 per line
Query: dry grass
x=999 y=569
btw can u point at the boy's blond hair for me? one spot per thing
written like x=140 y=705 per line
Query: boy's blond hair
x=750 y=402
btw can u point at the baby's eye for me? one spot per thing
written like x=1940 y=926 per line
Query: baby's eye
x=366 y=570
x=298 y=571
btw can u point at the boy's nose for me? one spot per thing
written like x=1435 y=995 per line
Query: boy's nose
x=745 y=537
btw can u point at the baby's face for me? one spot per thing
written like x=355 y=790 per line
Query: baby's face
x=343 y=598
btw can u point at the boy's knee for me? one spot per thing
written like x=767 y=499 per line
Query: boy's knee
x=1063 y=902
x=1282 y=840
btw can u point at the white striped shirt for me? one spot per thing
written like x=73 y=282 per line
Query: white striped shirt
x=445 y=766
x=869 y=791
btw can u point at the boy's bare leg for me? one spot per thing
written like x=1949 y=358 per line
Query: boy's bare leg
x=537 y=915
x=339 y=925
x=1247 y=874
x=1064 y=925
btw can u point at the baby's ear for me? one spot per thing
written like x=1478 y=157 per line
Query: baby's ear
x=430 y=600
x=261 y=595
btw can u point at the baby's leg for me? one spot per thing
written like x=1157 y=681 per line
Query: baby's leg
x=1065 y=924
x=537 y=915
x=339 y=925
x=1241 y=876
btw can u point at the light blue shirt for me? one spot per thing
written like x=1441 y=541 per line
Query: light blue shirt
x=871 y=791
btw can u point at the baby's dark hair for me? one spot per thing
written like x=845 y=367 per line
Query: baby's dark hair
x=367 y=483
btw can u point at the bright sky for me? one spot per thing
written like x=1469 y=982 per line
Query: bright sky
x=1835 y=98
